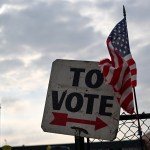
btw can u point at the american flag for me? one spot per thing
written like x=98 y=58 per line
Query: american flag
x=120 y=72
x=119 y=39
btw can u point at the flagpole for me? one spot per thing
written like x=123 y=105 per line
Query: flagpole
x=137 y=114
x=135 y=99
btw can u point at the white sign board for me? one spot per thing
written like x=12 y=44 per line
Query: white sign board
x=79 y=102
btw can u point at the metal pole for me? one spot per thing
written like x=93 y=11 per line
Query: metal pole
x=79 y=143
x=137 y=114
x=136 y=106
x=88 y=144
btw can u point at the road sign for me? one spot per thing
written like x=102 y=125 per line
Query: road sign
x=79 y=102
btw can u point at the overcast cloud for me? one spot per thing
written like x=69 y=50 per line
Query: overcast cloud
x=35 y=33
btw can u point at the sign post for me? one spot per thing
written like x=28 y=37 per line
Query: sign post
x=79 y=143
x=79 y=100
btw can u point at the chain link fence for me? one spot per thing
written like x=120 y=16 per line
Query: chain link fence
x=128 y=131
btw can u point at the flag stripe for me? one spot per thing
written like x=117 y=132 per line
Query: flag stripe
x=110 y=75
x=128 y=102
x=126 y=85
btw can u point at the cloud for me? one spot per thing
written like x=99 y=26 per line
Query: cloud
x=7 y=65
x=40 y=25
x=47 y=31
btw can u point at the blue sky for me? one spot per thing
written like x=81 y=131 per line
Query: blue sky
x=34 y=33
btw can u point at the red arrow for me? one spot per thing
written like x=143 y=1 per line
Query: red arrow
x=61 y=119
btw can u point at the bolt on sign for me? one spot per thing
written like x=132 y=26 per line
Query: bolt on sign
x=79 y=102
